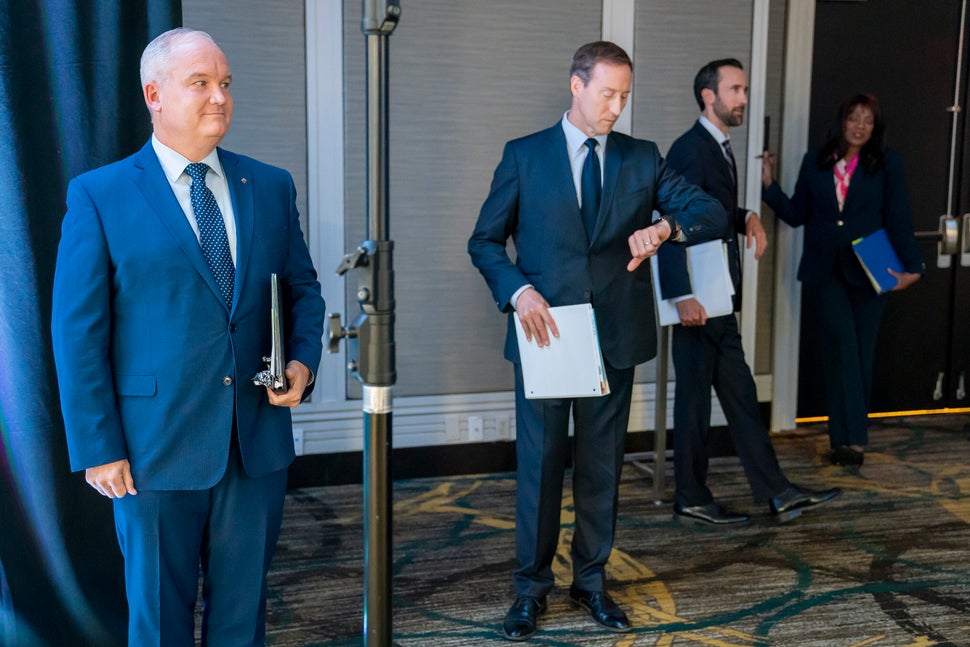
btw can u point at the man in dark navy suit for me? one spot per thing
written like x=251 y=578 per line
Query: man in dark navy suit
x=161 y=318
x=580 y=235
x=707 y=351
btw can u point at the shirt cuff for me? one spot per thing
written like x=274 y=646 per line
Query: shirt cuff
x=683 y=297
x=515 y=295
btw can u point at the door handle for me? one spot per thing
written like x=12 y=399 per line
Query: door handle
x=938 y=391
x=948 y=239
x=965 y=241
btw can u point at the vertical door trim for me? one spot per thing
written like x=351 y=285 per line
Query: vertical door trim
x=752 y=192
x=786 y=328
x=619 y=17
x=325 y=173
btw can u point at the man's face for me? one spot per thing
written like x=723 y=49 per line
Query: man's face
x=598 y=104
x=731 y=96
x=192 y=106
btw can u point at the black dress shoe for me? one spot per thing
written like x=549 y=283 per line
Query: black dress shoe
x=711 y=514
x=794 y=500
x=602 y=609
x=521 y=620
x=846 y=456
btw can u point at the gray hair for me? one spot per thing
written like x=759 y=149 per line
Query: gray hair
x=154 y=60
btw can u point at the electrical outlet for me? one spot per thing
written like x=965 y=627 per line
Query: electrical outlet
x=476 y=429
x=298 y=441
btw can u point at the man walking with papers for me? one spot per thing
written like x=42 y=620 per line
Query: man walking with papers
x=577 y=200
x=706 y=350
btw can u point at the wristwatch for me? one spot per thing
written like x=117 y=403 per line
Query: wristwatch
x=675 y=233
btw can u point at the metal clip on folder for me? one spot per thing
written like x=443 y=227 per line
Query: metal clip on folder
x=273 y=378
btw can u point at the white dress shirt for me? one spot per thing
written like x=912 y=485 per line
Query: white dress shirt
x=173 y=165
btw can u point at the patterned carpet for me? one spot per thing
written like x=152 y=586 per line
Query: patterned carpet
x=887 y=564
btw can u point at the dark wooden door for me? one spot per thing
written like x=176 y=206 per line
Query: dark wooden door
x=906 y=54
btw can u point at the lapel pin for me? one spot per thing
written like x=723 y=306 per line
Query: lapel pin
x=244 y=180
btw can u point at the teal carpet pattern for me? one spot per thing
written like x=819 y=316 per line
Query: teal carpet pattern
x=886 y=564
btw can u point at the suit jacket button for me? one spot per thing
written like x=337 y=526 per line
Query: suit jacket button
x=587 y=295
x=233 y=327
x=839 y=223
x=227 y=381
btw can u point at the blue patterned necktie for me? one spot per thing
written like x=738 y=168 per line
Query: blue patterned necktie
x=212 y=231
x=590 y=188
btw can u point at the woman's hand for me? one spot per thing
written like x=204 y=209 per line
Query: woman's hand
x=767 y=169
x=905 y=279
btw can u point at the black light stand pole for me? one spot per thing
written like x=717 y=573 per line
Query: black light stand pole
x=372 y=333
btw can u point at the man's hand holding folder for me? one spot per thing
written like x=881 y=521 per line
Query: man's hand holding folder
x=534 y=314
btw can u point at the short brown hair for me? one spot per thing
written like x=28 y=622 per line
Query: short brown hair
x=601 y=51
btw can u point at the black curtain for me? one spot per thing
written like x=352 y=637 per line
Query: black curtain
x=70 y=101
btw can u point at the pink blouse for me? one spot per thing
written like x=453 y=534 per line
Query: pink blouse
x=842 y=175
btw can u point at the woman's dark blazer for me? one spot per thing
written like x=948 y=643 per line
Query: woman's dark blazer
x=875 y=199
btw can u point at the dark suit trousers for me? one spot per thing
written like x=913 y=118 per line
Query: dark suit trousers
x=542 y=452
x=847 y=318
x=230 y=530
x=706 y=356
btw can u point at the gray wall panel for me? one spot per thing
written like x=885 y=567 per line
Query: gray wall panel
x=672 y=42
x=267 y=55
x=466 y=76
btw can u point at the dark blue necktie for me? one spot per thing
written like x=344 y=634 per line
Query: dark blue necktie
x=590 y=188
x=212 y=231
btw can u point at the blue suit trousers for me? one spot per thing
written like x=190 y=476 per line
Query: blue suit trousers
x=229 y=531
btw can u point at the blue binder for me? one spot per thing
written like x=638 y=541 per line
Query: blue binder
x=876 y=253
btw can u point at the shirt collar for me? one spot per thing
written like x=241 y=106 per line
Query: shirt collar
x=716 y=133
x=576 y=139
x=174 y=163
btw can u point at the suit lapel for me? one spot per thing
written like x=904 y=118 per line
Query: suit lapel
x=562 y=175
x=827 y=179
x=856 y=182
x=151 y=181
x=241 y=184
x=716 y=152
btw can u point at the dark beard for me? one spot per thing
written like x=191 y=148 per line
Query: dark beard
x=732 y=120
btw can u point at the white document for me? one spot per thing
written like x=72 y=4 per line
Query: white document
x=572 y=365
x=710 y=280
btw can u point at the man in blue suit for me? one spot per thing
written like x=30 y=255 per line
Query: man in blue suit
x=707 y=351
x=160 y=321
x=580 y=236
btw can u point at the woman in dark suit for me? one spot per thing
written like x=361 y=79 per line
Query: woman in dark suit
x=850 y=187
